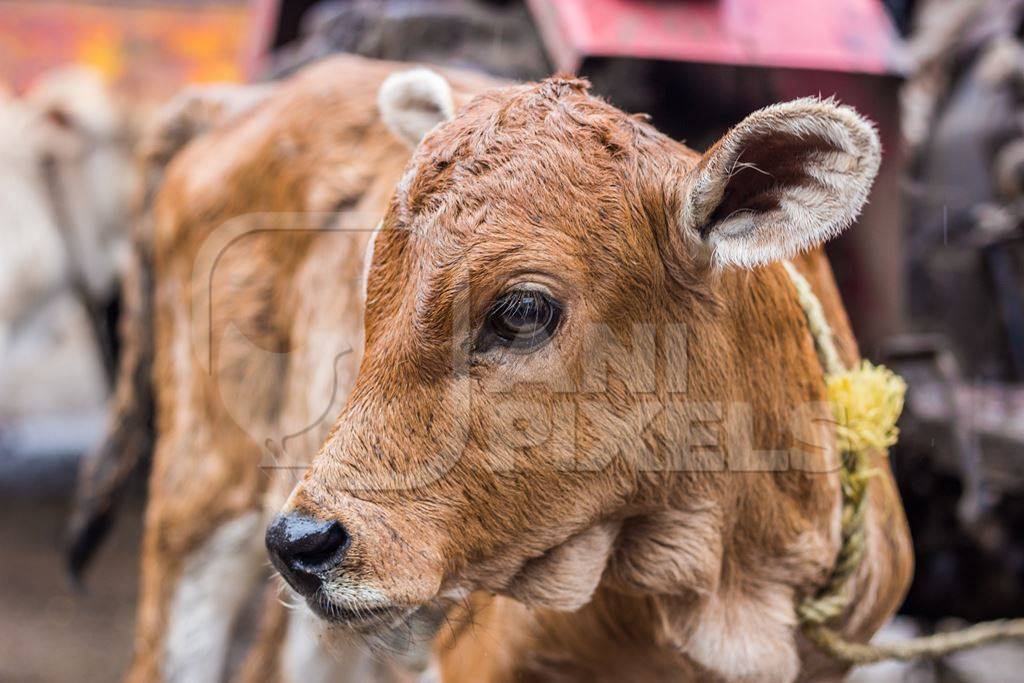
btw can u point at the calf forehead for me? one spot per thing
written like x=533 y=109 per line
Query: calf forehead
x=467 y=248
x=546 y=155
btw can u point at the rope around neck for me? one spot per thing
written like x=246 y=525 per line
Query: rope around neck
x=866 y=401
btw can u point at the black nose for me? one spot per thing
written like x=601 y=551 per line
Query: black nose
x=304 y=549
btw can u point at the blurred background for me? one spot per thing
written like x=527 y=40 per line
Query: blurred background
x=932 y=274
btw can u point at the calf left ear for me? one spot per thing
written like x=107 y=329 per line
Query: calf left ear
x=412 y=102
x=786 y=179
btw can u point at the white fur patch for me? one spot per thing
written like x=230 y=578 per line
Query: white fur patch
x=215 y=582
x=433 y=672
x=368 y=257
x=342 y=592
x=822 y=202
x=412 y=102
x=748 y=635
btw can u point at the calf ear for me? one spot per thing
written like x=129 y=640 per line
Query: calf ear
x=412 y=102
x=786 y=179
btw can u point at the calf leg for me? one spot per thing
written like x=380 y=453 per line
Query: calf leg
x=202 y=556
x=291 y=648
x=188 y=605
x=263 y=661
x=308 y=656
x=215 y=581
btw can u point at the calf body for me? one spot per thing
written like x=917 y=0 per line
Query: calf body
x=569 y=399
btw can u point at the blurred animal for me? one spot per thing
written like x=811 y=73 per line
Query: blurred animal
x=261 y=196
x=588 y=386
x=66 y=185
x=128 y=442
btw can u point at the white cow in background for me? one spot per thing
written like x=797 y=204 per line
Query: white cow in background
x=66 y=186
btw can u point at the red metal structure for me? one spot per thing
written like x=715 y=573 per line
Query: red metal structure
x=853 y=36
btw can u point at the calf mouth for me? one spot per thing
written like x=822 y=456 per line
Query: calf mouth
x=356 y=617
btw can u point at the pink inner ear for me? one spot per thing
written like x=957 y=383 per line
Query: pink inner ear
x=763 y=169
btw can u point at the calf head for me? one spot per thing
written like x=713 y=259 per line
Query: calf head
x=550 y=306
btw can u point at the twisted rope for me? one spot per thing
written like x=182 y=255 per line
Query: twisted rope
x=866 y=402
x=930 y=647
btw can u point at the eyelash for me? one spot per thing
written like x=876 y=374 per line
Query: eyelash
x=521 y=319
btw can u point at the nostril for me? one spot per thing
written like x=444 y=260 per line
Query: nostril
x=324 y=546
x=303 y=549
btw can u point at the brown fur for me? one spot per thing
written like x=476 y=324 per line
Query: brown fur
x=128 y=443
x=315 y=147
x=678 y=574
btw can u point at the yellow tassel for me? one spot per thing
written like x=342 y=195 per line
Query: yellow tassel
x=866 y=403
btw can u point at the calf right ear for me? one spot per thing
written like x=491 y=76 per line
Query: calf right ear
x=412 y=102
x=784 y=180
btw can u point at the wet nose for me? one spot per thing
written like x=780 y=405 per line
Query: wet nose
x=304 y=549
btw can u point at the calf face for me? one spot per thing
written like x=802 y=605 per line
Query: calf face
x=553 y=303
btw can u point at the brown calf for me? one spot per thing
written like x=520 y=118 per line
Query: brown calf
x=588 y=386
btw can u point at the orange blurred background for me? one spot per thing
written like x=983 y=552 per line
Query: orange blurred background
x=147 y=49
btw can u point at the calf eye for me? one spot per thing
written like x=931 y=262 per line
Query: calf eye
x=520 y=319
